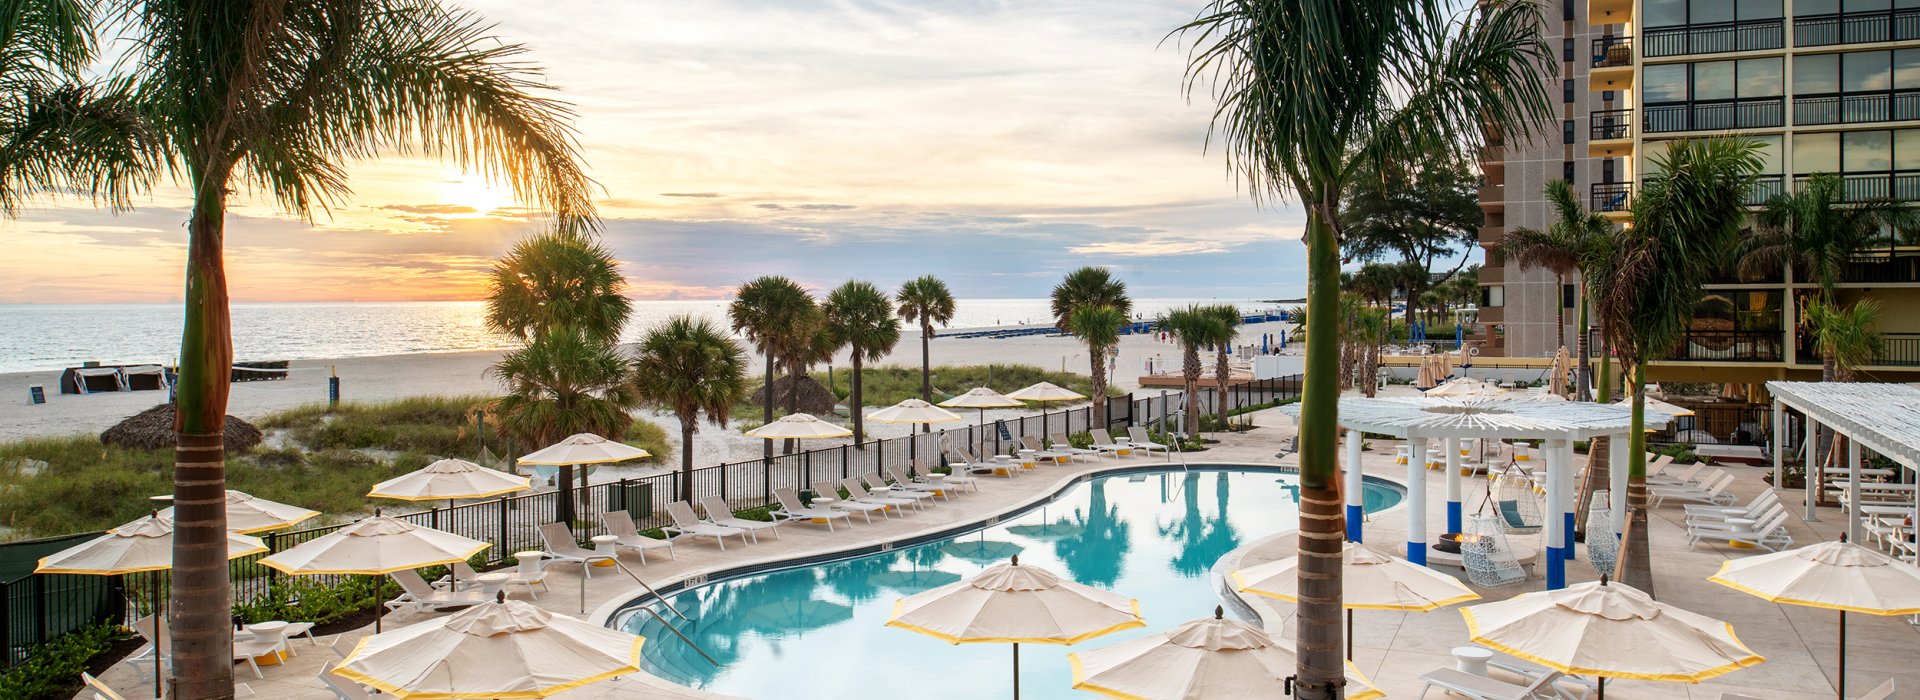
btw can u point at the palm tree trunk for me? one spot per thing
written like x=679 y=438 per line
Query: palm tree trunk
x=563 y=510
x=1097 y=363
x=1559 y=310
x=1321 y=671
x=202 y=631
x=1220 y=408
x=1190 y=370
x=926 y=370
x=686 y=459
x=1634 y=565
x=766 y=446
x=853 y=402
x=1583 y=365
x=793 y=399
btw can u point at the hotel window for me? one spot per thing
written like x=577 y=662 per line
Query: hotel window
x=1829 y=22
x=1871 y=164
x=1566 y=296
x=1858 y=87
x=1566 y=50
x=1606 y=95
x=1566 y=172
x=1566 y=10
x=1493 y=295
x=1566 y=131
x=1566 y=91
x=1714 y=95
x=1679 y=27
x=1607 y=172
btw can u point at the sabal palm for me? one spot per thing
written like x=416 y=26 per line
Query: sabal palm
x=564 y=277
x=1306 y=92
x=1576 y=242
x=1090 y=287
x=860 y=318
x=1684 y=222
x=925 y=301
x=690 y=366
x=565 y=381
x=1226 y=318
x=1846 y=336
x=1194 y=326
x=1099 y=327
x=768 y=311
x=278 y=98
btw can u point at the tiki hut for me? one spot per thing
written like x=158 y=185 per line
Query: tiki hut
x=152 y=429
x=814 y=397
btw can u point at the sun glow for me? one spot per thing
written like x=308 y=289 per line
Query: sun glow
x=474 y=193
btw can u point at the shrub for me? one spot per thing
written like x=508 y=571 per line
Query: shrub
x=888 y=385
x=312 y=599
x=52 y=670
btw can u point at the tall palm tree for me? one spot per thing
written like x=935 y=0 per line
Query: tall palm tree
x=1308 y=91
x=860 y=317
x=1195 y=326
x=1684 y=221
x=1226 y=318
x=559 y=278
x=278 y=98
x=1099 y=327
x=60 y=132
x=1845 y=335
x=1574 y=243
x=690 y=366
x=1088 y=287
x=925 y=301
x=565 y=381
x=767 y=311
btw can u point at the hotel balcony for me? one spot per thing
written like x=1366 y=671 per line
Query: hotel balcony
x=1713 y=37
x=1856 y=108
x=1492 y=235
x=1609 y=199
x=1609 y=12
x=1866 y=27
x=1493 y=197
x=1610 y=133
x=1612 y=64
x=1899 y=185
x=1714 y=115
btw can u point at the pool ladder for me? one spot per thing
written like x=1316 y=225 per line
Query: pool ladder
x=648 y=609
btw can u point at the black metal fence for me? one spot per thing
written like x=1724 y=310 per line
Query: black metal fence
x=1725 y=424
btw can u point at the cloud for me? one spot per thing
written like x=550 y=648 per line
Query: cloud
x=431 y=208
x=694 y=195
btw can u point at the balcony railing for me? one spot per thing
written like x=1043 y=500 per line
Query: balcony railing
x=1856 y=108
x=1610 y=196
x=1856 y=27
x=1610 y=124
x=1716 y=115
x=1612 y=51
x=1764 y=188
x=1899 y=350
x=1730 y=346
x=1898 y=185
x=1884 y=267
x=1717 y=37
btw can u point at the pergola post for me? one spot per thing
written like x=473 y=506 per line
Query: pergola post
x=1810 y=457
x=1356 y=496
x=1569 y=500
x=1617 y=447
x=1417 y=500
x=1779 y=440
x=1557 y=525
x=1853 y=491
x=1453 y=485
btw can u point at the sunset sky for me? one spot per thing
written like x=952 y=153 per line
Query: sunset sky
x=996 y=144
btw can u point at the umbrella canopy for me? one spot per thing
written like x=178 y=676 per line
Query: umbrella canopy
x=1840 y=576
x=1425 y=379
x=913 y=411
x=584 y=448
x=1609 y=630
x=506 y=649
x=1465 y=386
x=1371 y=580
x=247 y=514
x=142 y=545
x=449 y=479
x=375 y=546
x=791 y=615
x=1053 y=530
x=1014 y=603
x=982 y=550
x=980 y=397
x=1209 y=659
x=1465 y=359
x=1557 y=383
x=914 y=581
x=1046 y=391
x=798 y=426
x=1657 y=406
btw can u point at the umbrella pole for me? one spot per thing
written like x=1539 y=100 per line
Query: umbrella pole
x=376 y=605
x=1349 y=634
x=1602 y=694
x=1016 y=671
x=1842 y=684
x=158 y=617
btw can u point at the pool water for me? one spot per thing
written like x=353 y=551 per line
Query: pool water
x=816 y=631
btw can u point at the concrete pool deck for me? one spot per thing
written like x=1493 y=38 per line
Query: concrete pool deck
x=1393 y=649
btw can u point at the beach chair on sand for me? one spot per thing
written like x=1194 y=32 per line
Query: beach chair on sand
x=822 y=489
x=957 y=480
x=790 y=510
x=687 y=524
x=620 y=524
x=1142 y=441
x=561 y=547
x=1484 y=688
x=919 y=497
x=719 y=513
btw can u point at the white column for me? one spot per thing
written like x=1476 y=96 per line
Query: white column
x=1810 y=451
x=1779 y=440
x=1556 y=507
x=1617 y=448
x=1417 y=500
x=1853 y=490
x=1356 y=497
x=1454 y=523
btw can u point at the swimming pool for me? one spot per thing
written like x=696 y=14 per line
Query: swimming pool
x=816 y=631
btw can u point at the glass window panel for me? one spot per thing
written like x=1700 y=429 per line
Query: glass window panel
x=1713 y=80
x=1666 y=82
x=1804 y=8
x=1906 y=149
x=1761 y=77
x=1905 y=4
x=1906 y=68
x=1816 y=153
x=1758 y=9
x=1816 y=75
x=1706 y=11
x=1664 y=13
x=1866 y=151
x=1769 y=154
x=1864 y=5
x=1866 y=71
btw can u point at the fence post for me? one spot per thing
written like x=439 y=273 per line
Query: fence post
x=39 y=591
x=273 y=545
x=433 y=515
x=846 y=463
x=806 y=468
x=879 y=464
x=766 y=481
x=505 y=505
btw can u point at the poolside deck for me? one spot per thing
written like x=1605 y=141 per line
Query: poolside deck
x=1392 y=648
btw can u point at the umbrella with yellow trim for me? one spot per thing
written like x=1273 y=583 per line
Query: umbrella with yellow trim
x=247 y=514
x=1609 y=630
x=982 y=398
x=449 y=479
x=1046 y=391
x=375 y=546
x=1371 y=580
x=1839 y=576
x=1010 y=603
x=913 y=411
x=502 y=649
x=1208 y=659
x=798 y=426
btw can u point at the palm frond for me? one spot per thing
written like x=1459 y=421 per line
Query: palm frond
x=860 y=317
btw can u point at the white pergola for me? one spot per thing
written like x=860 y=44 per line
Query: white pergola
x=1884 y=418
x=1555 y=425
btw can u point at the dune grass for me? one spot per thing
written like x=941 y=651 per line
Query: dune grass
x=891 y=384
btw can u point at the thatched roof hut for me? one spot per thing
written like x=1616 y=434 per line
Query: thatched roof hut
x=152 y=429
x=814 y=397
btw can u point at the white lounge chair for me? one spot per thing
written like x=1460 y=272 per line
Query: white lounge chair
x=561 y=547
x=956 y=479
x=1484 y=688
x=919 y=496
x=859 y=494
x=1531 y=671
x=1141 y=441
x=1062 y=443
x=1714 y=491
x=822 y=489
x=620 y=524
x=416 y=595
x=461 y=577
x=1708 y=513
x=1043 y=453
x=688 y=524
x=1105 y=444
x=791 y=510
x=342 y=688
x=1770 y=533
x=1657 y=465
x=1692 y=476
x=903 y=480
x=719 y=513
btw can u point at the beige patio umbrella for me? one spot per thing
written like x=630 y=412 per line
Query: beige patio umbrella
x=1372 y=580
x=913 y=411
x=1466 y=359
x=1557 y=382
x=449 y=479
x=248 y=515
x=1657 y=406
x=1046 y=391
x=798 y=426
x=1207 y=659
x=1010 y=603
x=584 y=448
x=1609 y=630
x=981 y=398
x=1425 y=380
x=504 y=649
x=375 y=546
x=139 y=546
x=1840 y=576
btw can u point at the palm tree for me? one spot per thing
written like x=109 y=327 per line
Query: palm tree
x=565 y=381
x=690 y=366
x=1306 y=93
x=1088 y=287
x=1194 y=326
x=860 y=317
x=1099 y=327
x=1684 y=221
x=1574 y=243
x=767 y=311
x=558 y=278
x=58 y=132
x=1226 y=318
x=926 y=301
x=1846 y=336
x=279 y=98
x=1368 y=328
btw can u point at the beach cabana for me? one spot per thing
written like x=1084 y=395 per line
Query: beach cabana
x=1556 y=425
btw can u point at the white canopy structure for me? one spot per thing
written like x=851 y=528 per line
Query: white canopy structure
x=1554 y=424
x=1884 y=418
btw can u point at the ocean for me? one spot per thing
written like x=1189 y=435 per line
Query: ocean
x=53 y=336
